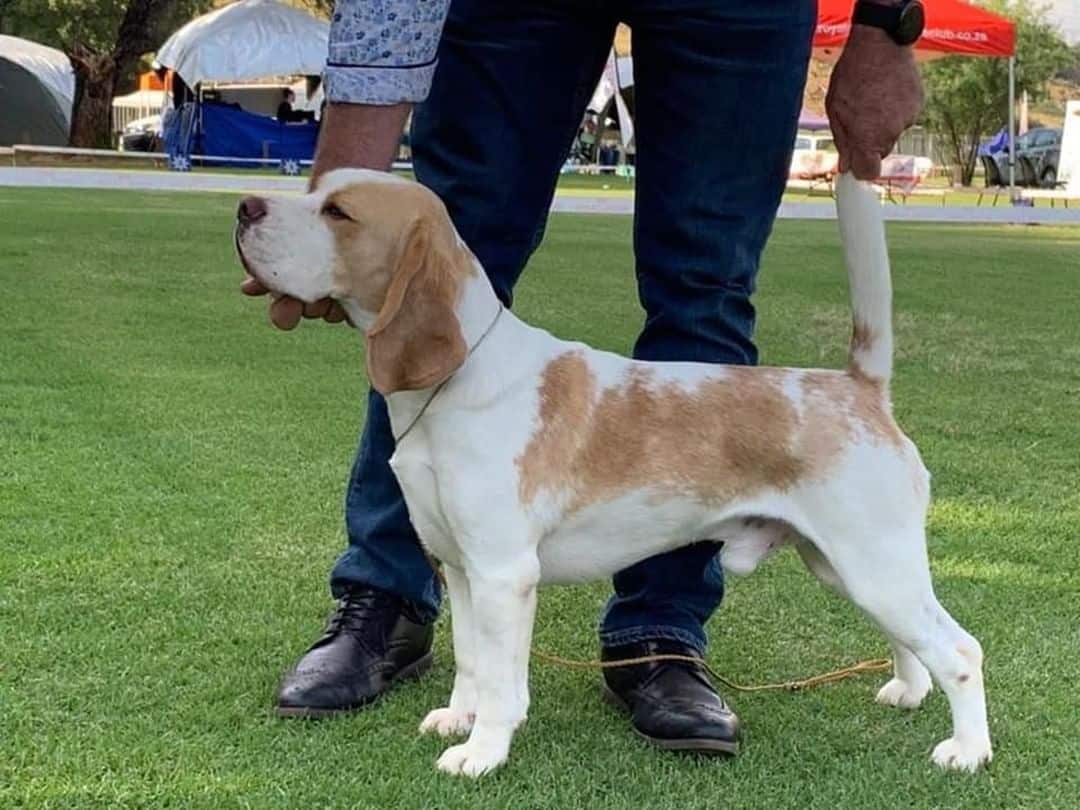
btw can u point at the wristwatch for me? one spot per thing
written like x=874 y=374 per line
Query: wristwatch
x=903 y=21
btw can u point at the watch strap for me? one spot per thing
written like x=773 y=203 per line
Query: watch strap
x=885 y=16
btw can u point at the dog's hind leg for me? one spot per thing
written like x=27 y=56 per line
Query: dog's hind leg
x=457 y=718
x=910 y=683
x=820 y=567
x=911 y=680
x=889 y=578
x=503 y=609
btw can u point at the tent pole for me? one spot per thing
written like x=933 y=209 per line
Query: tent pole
x=1012 y=128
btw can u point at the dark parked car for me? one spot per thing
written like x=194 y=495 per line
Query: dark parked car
x=1037 y=154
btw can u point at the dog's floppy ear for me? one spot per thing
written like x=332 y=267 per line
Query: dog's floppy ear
x=416 y=341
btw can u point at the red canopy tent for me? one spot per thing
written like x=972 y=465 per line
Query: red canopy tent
x=953 y=28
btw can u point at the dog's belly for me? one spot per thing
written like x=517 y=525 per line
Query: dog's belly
x=601 y=539
x=605 y=538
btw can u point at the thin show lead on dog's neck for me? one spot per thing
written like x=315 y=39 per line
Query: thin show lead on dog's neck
x=604 y=461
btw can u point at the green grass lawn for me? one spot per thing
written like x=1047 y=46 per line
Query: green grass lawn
x=171 y=480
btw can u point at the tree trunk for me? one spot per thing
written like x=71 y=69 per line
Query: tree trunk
x=957 y=150
x=952 y=138
x=971 y=149
x=968 y=174
x=96 y=75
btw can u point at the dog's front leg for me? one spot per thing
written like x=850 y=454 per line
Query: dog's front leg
x=458 y=716
x=503 y=608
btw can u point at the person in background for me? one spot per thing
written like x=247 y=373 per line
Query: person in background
x=285 y=112
x=718 y=89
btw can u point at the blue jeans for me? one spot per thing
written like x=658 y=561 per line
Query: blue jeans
x=718 y=88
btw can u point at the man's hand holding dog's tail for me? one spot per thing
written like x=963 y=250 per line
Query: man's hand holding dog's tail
x=875 y=93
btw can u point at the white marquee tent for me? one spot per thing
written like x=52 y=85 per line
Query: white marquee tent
x=248 y=40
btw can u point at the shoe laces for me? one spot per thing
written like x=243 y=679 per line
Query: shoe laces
x=366 y=614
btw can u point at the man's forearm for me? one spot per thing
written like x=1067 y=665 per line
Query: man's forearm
x=382 y=55
x=360 y=136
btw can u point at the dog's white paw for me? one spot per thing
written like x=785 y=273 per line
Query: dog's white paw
x=902 y=694
x=447 y=722
x=956 y=755
x=472 y=758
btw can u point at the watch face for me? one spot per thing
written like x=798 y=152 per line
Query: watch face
x=910 y=27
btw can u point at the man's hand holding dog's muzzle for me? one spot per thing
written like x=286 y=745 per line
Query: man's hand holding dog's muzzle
x=358 y=136
x=286 y=312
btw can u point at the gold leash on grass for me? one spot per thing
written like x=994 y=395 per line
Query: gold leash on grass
x=837 y=675
x=862 y=667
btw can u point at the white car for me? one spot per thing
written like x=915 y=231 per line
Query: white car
x=814 y=157
x=141 y=135
x=815 y=143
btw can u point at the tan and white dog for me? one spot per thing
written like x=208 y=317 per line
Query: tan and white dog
x=526 y=459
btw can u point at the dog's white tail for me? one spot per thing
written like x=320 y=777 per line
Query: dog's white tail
x=862 y=233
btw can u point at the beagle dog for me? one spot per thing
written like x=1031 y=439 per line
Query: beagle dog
x=526 y=459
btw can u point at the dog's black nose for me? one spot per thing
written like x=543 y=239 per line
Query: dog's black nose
x=251 y=209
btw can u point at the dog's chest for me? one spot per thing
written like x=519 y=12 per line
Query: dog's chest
x=419 y=484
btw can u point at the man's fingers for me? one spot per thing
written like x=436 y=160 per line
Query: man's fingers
x=840 y=140
x=285 y=313
x=252 y=286
x=865 y=165
x=317 y=309
x=839 y=131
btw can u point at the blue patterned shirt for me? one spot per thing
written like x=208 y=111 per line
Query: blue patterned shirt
x=383 y=51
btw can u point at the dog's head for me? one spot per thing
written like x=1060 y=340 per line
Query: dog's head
x=382 y=245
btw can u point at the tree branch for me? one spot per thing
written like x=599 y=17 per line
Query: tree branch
x=135 y=36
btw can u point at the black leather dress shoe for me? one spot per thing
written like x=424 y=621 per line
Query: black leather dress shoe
x=371 y=642
x=671 y=704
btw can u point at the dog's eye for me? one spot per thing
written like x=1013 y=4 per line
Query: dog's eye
x=334 y=212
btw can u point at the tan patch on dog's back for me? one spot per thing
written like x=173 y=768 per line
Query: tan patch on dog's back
x=567 y=390
x=847 y=401
x=727 y=437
